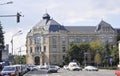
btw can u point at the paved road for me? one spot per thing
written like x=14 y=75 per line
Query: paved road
x=63 y=72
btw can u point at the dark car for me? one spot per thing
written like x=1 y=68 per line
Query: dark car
x=9 y=71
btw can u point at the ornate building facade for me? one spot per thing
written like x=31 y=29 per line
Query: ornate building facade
x=48 y=41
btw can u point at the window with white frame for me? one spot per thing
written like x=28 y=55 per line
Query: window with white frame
x=103 y=39
x=37 y=39
x=54 y=47
x=71 y=39
x=63 y=39
x=110 y=39
x=54 y=39
x=37 y=50
x=84 y=39
x=78 y=39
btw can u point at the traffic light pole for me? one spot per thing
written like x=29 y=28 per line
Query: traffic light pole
x=18 y=15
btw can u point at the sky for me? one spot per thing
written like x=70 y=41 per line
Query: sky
x=67 y=13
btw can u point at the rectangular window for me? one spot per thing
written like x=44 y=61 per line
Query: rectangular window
x=30 y=49
x=71 y=39
x=37 y=50
x=30 y=40
x=63 y=39
x=103 y=39
x=54 y=47
x=37 y=39
x=78 y=39
x=44 y=48
x=44 y=40
x=63 y=48
x=84 y=39
x=54 y=39
x=110 y=39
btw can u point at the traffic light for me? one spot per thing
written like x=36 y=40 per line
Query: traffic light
x=18 y=17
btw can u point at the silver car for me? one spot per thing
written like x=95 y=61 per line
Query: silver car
x=52 y=69
x=91 y=68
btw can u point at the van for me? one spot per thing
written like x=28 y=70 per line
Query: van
x=74 y=66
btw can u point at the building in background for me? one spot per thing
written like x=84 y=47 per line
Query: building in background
x=5 y=53
x=48 y=41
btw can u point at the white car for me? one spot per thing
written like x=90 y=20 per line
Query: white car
x=65 y=67
x=73 y=66
x=44 y=67
x=91 y=68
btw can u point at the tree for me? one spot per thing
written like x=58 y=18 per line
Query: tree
x=1 y=42
x=96 y=46
x=76 y=52
x=20 y=59
x=115 y=54
x=97 y=59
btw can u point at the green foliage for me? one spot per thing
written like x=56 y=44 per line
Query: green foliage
x=97 y=59
x=1 y=42
x=115 y=54
x=76 y=52
x=20 y=59
x=96 y=45
x=99 y=53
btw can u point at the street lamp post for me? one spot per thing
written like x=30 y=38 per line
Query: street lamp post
x=18 y=33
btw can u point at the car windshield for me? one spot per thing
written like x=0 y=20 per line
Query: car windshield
x=52 y=66
x=8 y=68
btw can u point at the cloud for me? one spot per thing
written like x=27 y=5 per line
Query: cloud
x=67 y=12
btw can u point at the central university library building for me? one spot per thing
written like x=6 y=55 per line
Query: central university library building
x=48 y=41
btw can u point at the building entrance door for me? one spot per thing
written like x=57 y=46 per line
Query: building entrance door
x=37 y=60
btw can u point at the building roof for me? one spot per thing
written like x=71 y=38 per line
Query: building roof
x=84 y=29
x=52 y=26
x=102 y=24
x=49 y=24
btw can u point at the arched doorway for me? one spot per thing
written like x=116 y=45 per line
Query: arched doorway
x=37 y=60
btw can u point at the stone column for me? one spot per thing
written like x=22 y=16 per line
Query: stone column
x=119 y=52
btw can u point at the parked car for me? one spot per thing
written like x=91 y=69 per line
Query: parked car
x=65 y=67
x=31 y=67
x=21 y=69
x=52 y=69
x=91 y=68
x=9 y=71
x=44 y=67
x=117 y=72
x=74 y=66
x=57 y=67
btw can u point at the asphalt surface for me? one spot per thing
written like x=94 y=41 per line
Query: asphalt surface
x=63 y=72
